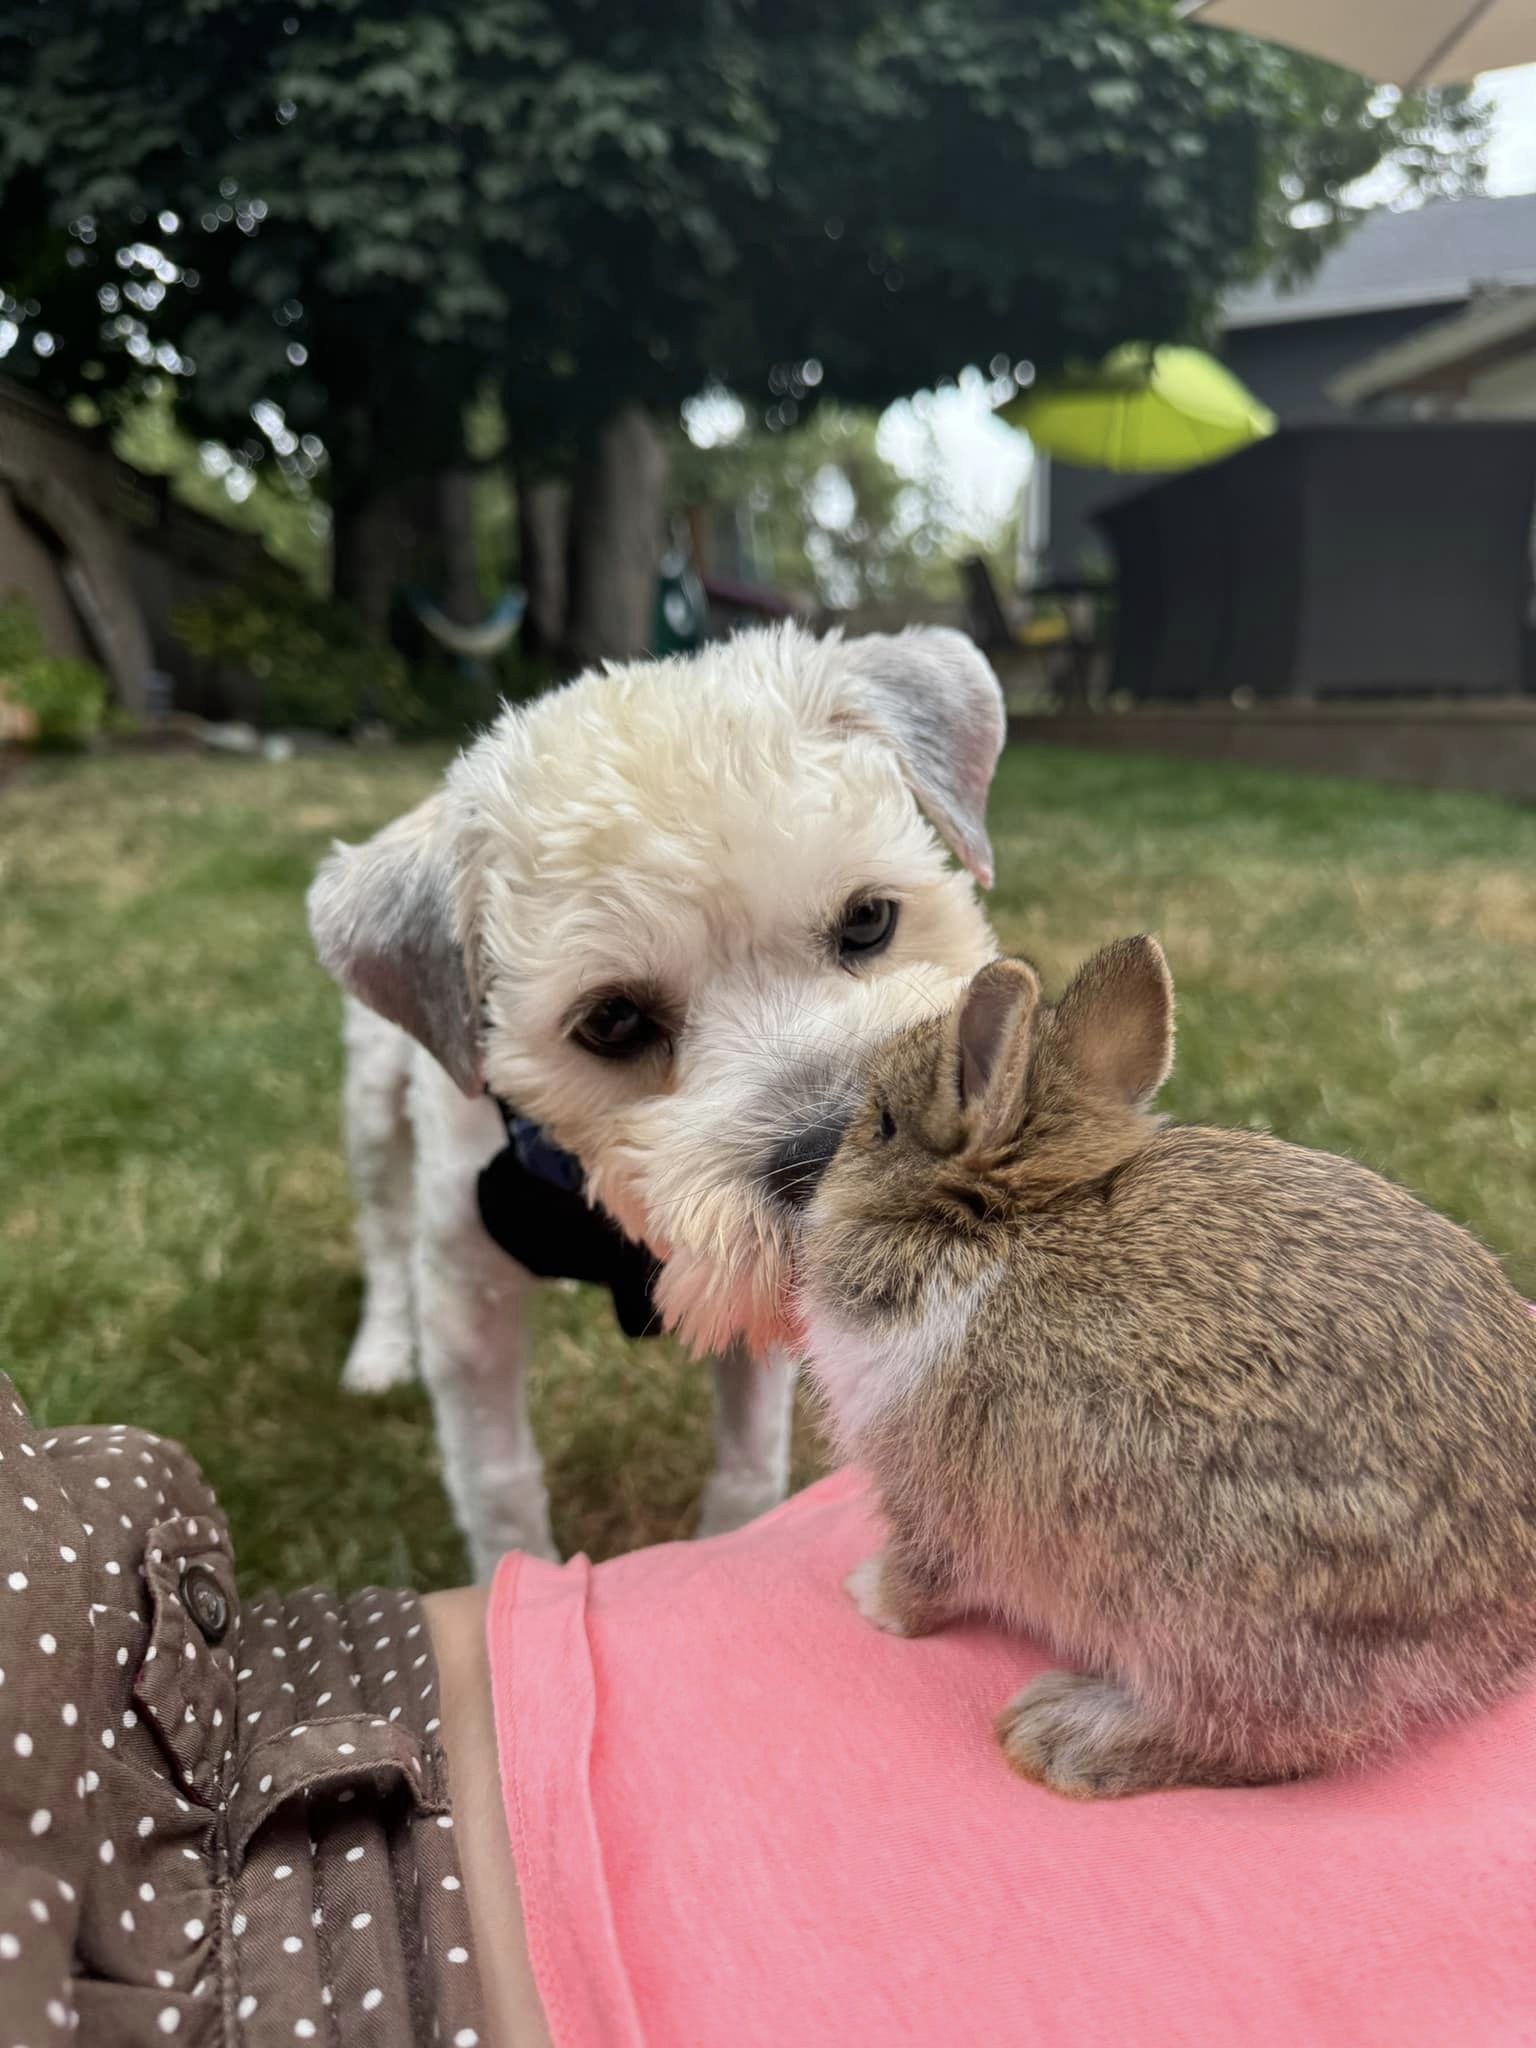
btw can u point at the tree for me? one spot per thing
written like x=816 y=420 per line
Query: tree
x=356 y=217
x=279 y=511
x=825 y=510
x=349 y=222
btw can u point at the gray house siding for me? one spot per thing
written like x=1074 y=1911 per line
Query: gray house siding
x=1396 y=271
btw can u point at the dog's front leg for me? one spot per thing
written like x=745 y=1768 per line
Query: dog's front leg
x=473 y=1309
x=382 y=1162
x=754 y=1406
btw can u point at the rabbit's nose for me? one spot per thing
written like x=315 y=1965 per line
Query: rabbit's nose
x=794 y=1172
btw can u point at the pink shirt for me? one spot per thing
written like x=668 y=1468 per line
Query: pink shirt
x=743 y=1816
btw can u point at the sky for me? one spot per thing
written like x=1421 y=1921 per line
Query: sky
x=1512 y=157
x=985 y=463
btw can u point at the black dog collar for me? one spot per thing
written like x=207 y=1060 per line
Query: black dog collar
x=533 y=1204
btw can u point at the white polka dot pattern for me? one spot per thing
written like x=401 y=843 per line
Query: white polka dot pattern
x=136 y=1734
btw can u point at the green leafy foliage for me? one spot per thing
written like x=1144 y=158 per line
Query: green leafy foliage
x=67 y=698
x=452 y=701
x=824 y=509
x=349 y=221
x=314 y=666
x=21 y=636
x=280 y=511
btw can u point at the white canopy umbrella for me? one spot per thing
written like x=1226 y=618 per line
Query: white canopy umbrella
x=1403 y=42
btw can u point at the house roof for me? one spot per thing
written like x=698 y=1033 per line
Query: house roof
x=1447 y=354
x=1435 y=255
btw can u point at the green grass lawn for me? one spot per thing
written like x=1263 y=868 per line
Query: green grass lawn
x=1355 y=969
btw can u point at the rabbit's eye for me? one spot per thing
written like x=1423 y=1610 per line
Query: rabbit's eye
x=887 y=1125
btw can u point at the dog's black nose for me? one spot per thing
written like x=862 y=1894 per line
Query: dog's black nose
x=794 y=1172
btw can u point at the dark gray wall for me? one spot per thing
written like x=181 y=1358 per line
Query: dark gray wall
x=1342 y=561
x=1287 y=367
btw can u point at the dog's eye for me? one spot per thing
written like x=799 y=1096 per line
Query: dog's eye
x=617 y=1028
x=866 y=927
x=887 y=1125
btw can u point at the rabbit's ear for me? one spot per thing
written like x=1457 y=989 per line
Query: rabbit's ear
x=1114 y=1025
x=993 y=1031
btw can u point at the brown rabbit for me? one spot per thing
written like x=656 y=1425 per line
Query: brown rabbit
x=1242 y=1430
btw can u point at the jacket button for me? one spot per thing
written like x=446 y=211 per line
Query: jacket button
x=205 y=1600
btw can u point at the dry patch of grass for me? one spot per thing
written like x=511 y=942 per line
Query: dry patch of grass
x=1354 y=967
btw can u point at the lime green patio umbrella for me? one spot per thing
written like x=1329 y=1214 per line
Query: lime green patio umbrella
x=1144 y=408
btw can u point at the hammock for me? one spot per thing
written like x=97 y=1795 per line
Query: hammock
x=471 y=643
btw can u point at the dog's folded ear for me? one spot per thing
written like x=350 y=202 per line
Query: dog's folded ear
x=384 y=918
x=931 y=693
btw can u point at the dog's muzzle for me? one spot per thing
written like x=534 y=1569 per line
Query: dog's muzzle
x=794 y=1173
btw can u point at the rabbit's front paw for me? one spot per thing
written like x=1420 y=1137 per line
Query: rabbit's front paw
x=1086 y=1738
x=876 y=1592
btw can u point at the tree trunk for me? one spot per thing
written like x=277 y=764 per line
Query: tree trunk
x=420 y=533
x=451 y=512
x=543 y=536
x=371 y=532
x=617 y=506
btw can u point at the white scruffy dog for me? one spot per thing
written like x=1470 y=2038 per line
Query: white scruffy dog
x=662 y=911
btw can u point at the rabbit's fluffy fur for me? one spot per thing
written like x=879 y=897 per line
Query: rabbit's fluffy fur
x=1245 y=1432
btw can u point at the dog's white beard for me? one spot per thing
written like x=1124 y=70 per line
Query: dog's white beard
x=726 y=1248
x=707 y=1304
x=687 y=1174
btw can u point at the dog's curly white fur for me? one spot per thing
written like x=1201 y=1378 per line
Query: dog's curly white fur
x=693 y=830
